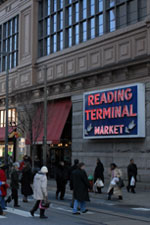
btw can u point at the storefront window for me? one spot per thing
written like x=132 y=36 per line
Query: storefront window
x=12 y=118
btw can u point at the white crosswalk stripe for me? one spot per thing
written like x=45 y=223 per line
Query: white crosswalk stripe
x=2 y=217
x=53 y=206
x=142 y=209
x=19 y=212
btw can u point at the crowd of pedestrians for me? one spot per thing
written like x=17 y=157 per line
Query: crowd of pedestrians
x=21 y=175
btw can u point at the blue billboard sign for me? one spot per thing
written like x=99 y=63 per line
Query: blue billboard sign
x=115 y=113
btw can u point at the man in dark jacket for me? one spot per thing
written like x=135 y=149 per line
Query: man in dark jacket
x=26 y=181
x=73 y=168
x=61 y=180
x=99 y=173
x=14 y=184
x=132 y=172
x=80 y=189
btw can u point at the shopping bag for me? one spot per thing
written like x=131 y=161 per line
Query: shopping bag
x=99 y=183
x=114 y=181
x=132 y=181
x=44 y=204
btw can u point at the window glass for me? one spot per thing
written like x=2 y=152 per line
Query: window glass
x=61 y=20
x=54 y=23
x=54 y=43
x=55 y=5
x=12 y=117
x=100 y=25
x=70 y=37
x=48 y=7
x=61 y=3
x=92 y=28
x=92 y=6
x=61 y=40
x=76 y=12
x=100 y=5
x=48 y=26
x=112 y=20
x=48 y=46
x=111 y=3
x=84 y=9
x=70 y=15
x=84 y=31
x=77 y=34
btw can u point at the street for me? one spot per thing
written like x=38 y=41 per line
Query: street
x=101 y=211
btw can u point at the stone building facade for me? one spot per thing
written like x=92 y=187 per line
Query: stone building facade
x=117 y=57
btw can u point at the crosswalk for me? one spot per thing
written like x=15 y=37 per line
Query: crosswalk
x=26 y=214
x=54 y=206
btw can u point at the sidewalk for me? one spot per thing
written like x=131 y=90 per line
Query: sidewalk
x=139 y=200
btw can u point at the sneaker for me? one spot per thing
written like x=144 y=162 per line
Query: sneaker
x=85 y=211
x=76 y=213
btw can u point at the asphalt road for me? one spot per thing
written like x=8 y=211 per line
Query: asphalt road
x=101 y=212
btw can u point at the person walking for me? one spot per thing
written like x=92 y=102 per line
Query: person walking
x=4 y=186
x=61 y=180
x=114 y=188
x=132 y=173
x=14 y=183
x=80 y=189
x=1 y=210
x=40 y=191
x=73 y=168
x=26 y=180
x=99 y=174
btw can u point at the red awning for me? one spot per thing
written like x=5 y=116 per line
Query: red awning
x=57 y=114
x=2 y=132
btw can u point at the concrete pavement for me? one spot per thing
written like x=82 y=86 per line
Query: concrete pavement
x=139 y=200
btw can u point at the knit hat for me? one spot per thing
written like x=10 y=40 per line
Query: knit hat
x=44 y=169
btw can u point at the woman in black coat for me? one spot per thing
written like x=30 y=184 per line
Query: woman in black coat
x=80 y=189
x=26 y=181
x=99 y=173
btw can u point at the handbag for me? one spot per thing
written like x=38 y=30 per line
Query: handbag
x=44 y=204
x=120 y=183
x=132 y=181
x=99 y=183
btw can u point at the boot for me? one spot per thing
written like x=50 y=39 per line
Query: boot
x=120 y=197
x=42 y=216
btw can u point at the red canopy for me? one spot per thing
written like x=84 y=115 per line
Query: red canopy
x=2 y=132
x=57 y=114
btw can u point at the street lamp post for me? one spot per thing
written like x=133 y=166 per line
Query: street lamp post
x=45 y=117
x=6 y=107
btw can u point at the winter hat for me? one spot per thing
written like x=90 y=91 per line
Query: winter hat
x=44 y=169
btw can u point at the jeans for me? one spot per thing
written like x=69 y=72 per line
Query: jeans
x=2 y=200
x=77 y=203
